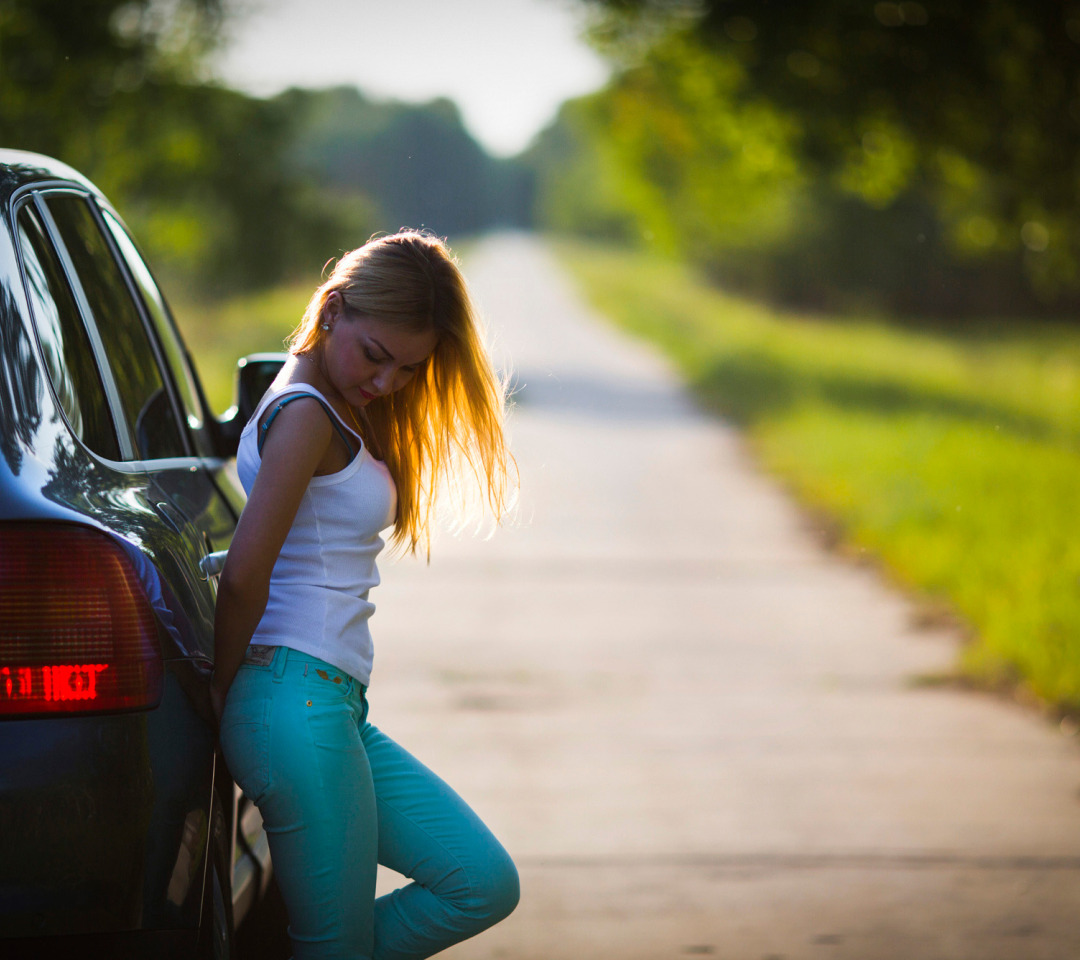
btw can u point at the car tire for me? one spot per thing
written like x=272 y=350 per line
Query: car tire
x=216 y=934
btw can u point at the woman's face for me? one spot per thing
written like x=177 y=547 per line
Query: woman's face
x=365 y=358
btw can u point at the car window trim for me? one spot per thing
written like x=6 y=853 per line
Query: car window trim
x=112 y=393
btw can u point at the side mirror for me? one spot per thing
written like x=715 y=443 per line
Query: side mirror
x=254 y=374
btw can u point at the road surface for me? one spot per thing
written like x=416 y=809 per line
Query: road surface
x=699 y=733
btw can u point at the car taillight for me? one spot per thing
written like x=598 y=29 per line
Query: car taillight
x=77 y=632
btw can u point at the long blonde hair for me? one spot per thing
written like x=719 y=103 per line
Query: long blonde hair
x=442 y=434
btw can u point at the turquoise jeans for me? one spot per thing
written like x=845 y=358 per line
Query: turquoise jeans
x=338 y=796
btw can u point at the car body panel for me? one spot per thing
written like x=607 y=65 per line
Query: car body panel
x=105 y=819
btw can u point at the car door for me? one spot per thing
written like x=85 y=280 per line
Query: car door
x=208 y=498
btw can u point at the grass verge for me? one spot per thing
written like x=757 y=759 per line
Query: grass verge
x=952 y=454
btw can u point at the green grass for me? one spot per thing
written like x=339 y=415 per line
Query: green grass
x=951 y=454
x=218 y=334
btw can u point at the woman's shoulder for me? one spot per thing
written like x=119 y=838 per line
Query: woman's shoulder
x=300 y=438
x=298 y=405
x=302 y=410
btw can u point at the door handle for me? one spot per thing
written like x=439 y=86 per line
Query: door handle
x=212 y=563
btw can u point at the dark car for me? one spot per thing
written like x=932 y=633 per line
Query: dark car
x=121 y=833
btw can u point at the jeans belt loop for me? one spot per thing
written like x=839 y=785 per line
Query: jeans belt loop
x=279 y=663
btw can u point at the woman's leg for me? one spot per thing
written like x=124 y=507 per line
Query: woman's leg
x=291 y=736
x=463 y=879
x=335 y=793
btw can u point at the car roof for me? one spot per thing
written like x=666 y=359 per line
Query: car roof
x=20 y=167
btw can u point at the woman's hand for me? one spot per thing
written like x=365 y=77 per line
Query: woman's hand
x=217 y=701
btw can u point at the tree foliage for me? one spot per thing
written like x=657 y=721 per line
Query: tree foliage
x=68 y=66
x=717 y=172
x=117 y=89
x=949 y=127
x=225 y=190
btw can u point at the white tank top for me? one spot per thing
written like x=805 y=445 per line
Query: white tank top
x=318 y=601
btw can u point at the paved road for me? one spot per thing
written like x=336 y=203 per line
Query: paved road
x=698 y=733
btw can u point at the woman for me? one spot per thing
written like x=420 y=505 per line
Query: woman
x=387 y=398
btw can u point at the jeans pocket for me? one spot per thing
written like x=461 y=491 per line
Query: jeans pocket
x=245 y=742
x=327 y=684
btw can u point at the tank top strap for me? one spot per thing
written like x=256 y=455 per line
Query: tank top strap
x=294 y=391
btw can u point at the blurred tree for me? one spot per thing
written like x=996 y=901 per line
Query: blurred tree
x=416 y=164
x=209 y=179
x=225 y=190
x=579 y=182
x=956 y=120
x=693 y=167
x=66 y=64
x=118 y=90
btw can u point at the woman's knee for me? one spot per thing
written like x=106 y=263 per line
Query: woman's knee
x=495 y=891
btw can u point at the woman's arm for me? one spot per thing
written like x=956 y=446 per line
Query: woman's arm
x=293 y=451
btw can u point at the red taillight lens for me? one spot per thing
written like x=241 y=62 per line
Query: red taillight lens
x=77 y=632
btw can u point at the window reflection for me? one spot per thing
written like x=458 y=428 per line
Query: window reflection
x=167 y=337
x=69 y=358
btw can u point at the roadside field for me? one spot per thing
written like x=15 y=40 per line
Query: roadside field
x=951 y=455
x=219 y=333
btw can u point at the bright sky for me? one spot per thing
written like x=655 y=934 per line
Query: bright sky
x=508 y=64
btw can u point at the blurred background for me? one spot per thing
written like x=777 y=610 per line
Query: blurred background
x=854 y=225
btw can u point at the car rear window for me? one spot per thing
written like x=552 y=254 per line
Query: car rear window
x=147 y=406
x=69 y=358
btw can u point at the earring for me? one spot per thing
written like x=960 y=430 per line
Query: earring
x=326 y=326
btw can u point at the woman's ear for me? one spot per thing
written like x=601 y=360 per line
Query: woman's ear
x=333 y=309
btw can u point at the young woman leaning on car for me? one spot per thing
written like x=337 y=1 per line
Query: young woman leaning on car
x=387 y=394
